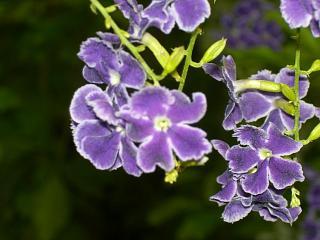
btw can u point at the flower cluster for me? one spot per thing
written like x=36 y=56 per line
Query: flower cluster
x=130 y=124
x=302 y=13
x=246 y=26
x=259 y=167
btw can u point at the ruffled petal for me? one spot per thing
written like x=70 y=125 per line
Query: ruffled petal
x=185 y=111
x=155 y=152
x=250 y=135
x=296 y=12
x=242 y=159
x=284 y=173
x=189 y=143
x=226 y=194
x=213 y=70
x=235 y=211
x=232 y=116
x=221 y=146
x=258 y=182
x=128 y=155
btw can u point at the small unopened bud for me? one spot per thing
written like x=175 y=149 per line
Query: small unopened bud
x=295 y=201
x=315 y=134
x=213 y=51
x=288 y=92
x=314 y=67
x=175 y=59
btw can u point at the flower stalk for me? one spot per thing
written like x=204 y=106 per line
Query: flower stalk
x=297 y=71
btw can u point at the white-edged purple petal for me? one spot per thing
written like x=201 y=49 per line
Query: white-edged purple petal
x=155 y=152
x=254 y=106
x=213 y=70
x=258 y=182
x=151 y=101
x=132 y=74
x=242 y=159
x=282 y=213
x=235 y=211
x=189 y=14
x=221 y=146
x=102 y=106
x=232 y=116
x=280 y=144
x=284 y=173
x=189 y=143
x=265 y=214
x=184 y=111
x=274 y=117
x=226 y=194
x=225 y=177
x=79 y=110
x=295 y=212
x=128 y=153
x=91 y=75
x=296 y=12
x=250 y=135
x=264 y=75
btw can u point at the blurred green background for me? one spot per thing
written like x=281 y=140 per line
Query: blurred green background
x=48 y=191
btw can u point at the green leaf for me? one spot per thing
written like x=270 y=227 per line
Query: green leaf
x=213 y=51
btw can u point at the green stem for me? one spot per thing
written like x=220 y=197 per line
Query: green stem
x=126 y=42
x=188 y=58
x=296 y=89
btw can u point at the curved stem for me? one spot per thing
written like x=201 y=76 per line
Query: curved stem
x=188 y=58
x=296 y=89
x=126 y=42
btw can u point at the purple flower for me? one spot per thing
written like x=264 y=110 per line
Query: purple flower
x=133 y=11
x=261 y=155
x=238 y=204
x=188 y=14
x=252 y=105
x=302 y=13
x=114 y=67
x=99 y=134
x=159 y=119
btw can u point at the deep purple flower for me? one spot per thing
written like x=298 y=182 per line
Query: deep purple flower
x=238 y=204
x=159 y=119
x=114 y=67
x=302 y=13
x=262 y=155
x=188 y=14
x=99 y=134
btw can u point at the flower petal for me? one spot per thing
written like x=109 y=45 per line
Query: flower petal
x=221 y=147
x=102 y=106
x=296 y=12
x=226 y=194
x=189 y=14
x=258 y=182
x=235 y=211
x=250 y=135
x=232 y=116
x=91 y=75
x=189 y=143
x=284 y=173
x=132 y=75
x=155 y=152
x=128 y=154
x=79 y=110
x=213 y=70
x=242 y=159
x=151 y=101
x=254 y=106
x=280 y=144
x=185 y=111
x=275 y=117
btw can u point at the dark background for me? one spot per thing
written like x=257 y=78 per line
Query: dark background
x=48 y=191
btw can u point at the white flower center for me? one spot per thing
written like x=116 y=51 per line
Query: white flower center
x=120 y=129
x=162 y=124
x=265 y=153
x=114 y=78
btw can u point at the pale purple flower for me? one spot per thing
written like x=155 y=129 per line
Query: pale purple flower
x=159 y=119
x=188 y=14
x=302 y=13
x=106 y=64
x=261 y=154
x=99 y=134
x=238 y=204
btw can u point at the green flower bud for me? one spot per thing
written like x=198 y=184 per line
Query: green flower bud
x=285 y=106
x=156 y=48
x=295 y=201
x=314 y=67
x=288 y=92
x=315 y=134
x=174 y=59
x=213 y=51
x=263 y=85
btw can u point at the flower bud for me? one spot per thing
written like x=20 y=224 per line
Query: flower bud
x=315 y=134
x=175 y=59
x=288 y=92
x=314 y=67
x=213 y=51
